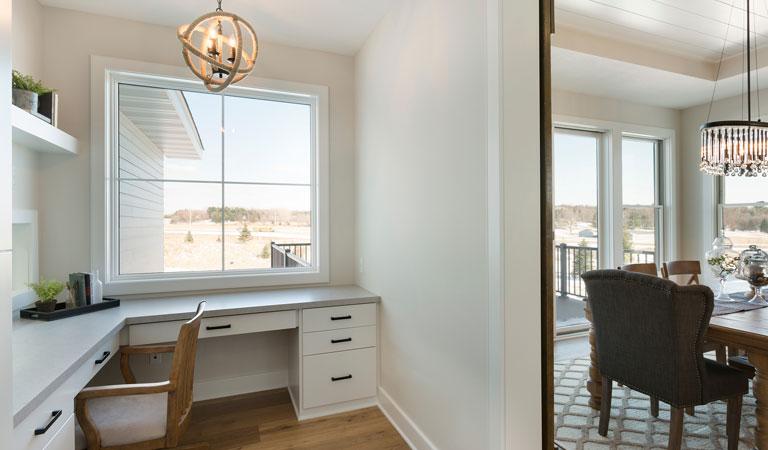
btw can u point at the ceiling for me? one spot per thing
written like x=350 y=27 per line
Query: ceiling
x=337 y=26
x=656 y=52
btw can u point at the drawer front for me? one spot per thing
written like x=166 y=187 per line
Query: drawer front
x=62 y=399
x=338 y=340
x=65 y=438
x=336 y=317
x=339 y=377
x=153 y=333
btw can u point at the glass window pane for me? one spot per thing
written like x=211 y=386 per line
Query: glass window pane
x=739 y=190
x=169 y=134
x=267 y=141
x=257 y=216
x=576 y=221
x=746 y=225
x=639 y=238
x=169 y=227
x=638 y=171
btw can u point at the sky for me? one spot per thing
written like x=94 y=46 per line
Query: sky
x=575 y=170
x=264 y=142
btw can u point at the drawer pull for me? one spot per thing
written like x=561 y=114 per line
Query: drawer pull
x=347 y=317
x=103 y=358
x=219 y=327
x=54 y=417
x=339 y=341
x=346 y=377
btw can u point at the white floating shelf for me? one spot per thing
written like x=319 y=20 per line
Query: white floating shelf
x=37 y=135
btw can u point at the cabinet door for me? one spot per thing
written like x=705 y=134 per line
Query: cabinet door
x=65 y=438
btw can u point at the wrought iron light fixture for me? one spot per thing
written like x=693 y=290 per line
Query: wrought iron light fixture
x=736 y=147
x=219 y=47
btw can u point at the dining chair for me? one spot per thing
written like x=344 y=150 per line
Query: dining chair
x=649 y=335
x=143 y=416
x=646 y=268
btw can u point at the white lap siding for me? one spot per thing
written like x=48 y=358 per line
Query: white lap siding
x=141 y=202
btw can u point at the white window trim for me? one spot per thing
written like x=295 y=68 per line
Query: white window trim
x=610 y=156
x=104 y=73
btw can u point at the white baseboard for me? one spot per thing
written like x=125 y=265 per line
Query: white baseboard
x=413 y=436
x=225 y=387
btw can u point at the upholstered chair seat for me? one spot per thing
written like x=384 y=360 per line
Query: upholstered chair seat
x=127 y=419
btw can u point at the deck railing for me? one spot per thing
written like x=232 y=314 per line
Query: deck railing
x=572 y=260
x=290 y=255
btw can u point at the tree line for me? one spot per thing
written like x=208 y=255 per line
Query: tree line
x=238 y=214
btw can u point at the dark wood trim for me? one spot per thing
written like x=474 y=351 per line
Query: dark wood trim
x=546 y=28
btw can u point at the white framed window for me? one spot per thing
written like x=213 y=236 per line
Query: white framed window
x=742 y=212
x=204 y=191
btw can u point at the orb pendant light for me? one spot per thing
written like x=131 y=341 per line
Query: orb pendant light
x=736 y=147
x=219 y=47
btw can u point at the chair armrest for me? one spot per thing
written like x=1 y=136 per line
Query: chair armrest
x=127 y=350
x=145 y=349
x=124 y=389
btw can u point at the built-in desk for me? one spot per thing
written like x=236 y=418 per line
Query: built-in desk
x=335 y=333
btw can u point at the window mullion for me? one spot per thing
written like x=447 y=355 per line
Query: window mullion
x=223 y=228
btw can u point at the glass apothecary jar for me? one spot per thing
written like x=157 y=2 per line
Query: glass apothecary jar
x=753 y=268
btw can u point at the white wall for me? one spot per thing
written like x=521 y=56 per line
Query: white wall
x=609 y=109
x=6 y=361
x=421 y=215
x=71 y=37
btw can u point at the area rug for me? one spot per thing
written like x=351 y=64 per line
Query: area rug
x=631 y=425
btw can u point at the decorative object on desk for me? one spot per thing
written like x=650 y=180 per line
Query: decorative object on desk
x=96 y=288
x=71 y=295
x=61 y=311
x=723 y=262
x=739 y=146
x=26 y=91
x=753 y=268
x=82 y=284
x=48 y=107
x=218 y=60
x=47 y=291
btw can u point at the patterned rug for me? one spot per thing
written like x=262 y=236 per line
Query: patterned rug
x=631 y=425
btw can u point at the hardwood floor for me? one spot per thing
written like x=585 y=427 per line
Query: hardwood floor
x=266 y=421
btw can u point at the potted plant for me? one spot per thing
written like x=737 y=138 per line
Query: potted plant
x=26 y=91
x=47 y=291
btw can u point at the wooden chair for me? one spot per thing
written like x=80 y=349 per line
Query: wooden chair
x=649 y=333
x=646 y=268
x=682 y=268
x=144 y=416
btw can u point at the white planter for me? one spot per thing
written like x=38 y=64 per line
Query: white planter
x=26 y=100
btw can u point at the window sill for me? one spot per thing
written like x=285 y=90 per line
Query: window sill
x=209 y=283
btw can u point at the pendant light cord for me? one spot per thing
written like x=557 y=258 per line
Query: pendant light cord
x=720 y=64
x=219 y=7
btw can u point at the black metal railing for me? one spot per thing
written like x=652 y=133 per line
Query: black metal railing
x=572 y=260
x=290 y=255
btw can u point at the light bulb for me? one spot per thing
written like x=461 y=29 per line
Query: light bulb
x=212 y=32
x=232 y=42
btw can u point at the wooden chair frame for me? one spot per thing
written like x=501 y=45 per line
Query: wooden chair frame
x=178 y=387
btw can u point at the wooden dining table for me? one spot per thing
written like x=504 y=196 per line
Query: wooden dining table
x=747 y=330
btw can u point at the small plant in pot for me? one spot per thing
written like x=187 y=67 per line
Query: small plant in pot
x=26 y=90
x=47 y=291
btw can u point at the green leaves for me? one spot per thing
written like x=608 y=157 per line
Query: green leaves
x=47 y=290
x=28 y=83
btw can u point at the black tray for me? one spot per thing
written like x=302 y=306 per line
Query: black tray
x=62 y=312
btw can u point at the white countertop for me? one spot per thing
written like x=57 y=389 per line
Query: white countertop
x=46 y=353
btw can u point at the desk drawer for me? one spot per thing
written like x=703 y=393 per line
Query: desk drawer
x=58 y=434
x=337 y=317
x=153 y=333
x=339 y=377
x=339 y=340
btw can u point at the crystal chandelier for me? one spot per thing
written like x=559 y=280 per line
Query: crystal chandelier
x=219 y=47
x=735 y=147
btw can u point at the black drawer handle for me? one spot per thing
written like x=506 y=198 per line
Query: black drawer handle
x=219 y=327
x=339 y=341
x=347 y=317
x=103 y=358
x=54 y=417
x=346 y=377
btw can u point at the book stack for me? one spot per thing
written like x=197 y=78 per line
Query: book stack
x=81 y=283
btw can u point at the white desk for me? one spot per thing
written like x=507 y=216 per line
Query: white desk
x=52 y=361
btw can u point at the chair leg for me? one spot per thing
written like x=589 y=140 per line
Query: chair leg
x=733 y=422
x=605 y=406
x=654 y=407
x=675 y=429
x=720 y=354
